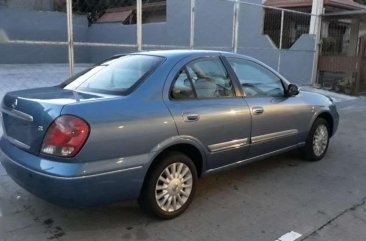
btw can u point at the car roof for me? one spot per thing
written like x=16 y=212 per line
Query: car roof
x=182 y=53
x=179 y=52
x=188 y=52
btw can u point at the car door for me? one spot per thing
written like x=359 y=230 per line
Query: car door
x=204 y=104
x=276 y=117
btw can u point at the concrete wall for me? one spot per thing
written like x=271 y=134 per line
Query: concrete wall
x=22 y=24
x=174 y=31
x=213 y=29
x=30 y=4
x=295 y=63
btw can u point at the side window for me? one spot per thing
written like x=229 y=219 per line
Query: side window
x=255 y=79
x=210 y=78
x=182 y=88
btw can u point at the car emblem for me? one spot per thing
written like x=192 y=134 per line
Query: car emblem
x=40 y=128
x=15 y=104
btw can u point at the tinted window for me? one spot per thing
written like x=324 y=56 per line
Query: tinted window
x=182 y=88
x=116 y=76
x=210 y=79
x=255 y=79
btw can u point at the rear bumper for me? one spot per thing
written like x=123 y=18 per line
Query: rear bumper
x=58 y=182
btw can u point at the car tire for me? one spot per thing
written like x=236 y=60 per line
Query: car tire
x=317 y=141
x=170 y=186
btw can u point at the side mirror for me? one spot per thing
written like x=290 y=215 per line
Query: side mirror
x=293 y=90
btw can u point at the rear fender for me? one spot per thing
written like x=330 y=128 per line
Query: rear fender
x=177 y=140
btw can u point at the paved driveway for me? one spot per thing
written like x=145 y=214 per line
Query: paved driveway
x=260 y=201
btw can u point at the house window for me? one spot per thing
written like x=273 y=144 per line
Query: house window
x=113 y=11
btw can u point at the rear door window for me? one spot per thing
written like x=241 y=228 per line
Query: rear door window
x=210 y=78
x=205 y=78
x=182 y=88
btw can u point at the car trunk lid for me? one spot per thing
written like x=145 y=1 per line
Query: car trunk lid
x=27 y=114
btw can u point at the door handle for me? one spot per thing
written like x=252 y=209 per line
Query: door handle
x=188 y=117
x=257 y=110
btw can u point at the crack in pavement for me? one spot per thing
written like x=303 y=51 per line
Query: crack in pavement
x=330 y=221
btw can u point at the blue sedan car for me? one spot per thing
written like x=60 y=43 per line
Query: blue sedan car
x=147 y=125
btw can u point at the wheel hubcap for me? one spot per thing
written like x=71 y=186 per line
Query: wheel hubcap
x=173 y=187
x=320 y=140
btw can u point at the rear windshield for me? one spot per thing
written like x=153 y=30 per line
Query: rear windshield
x=117 y=76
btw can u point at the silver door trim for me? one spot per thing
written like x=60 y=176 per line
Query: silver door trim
x=18 y=114
x=259 y=157
x=223 y=146
x=273 y=136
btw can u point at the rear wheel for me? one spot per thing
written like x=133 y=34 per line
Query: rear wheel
x=170 y=186
x=318 y=140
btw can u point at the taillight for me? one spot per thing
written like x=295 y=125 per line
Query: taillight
x=66 y=136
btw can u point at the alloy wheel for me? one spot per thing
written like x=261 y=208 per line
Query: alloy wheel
x=320 y=140
x=173 y=187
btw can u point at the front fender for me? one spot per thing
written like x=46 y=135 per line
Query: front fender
x=320 y=105
x=330 y=111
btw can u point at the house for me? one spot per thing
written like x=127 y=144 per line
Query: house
x=341 y=64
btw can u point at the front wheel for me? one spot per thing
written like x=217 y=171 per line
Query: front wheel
x=318 y=140
x=170 y=186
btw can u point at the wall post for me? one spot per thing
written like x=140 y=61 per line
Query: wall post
x=70 y=38
x=236 y=26
x=139 y=24
x=315 y=29
x=281 y=41
x=191 y=36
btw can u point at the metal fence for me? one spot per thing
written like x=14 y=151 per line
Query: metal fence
x=282 y=26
